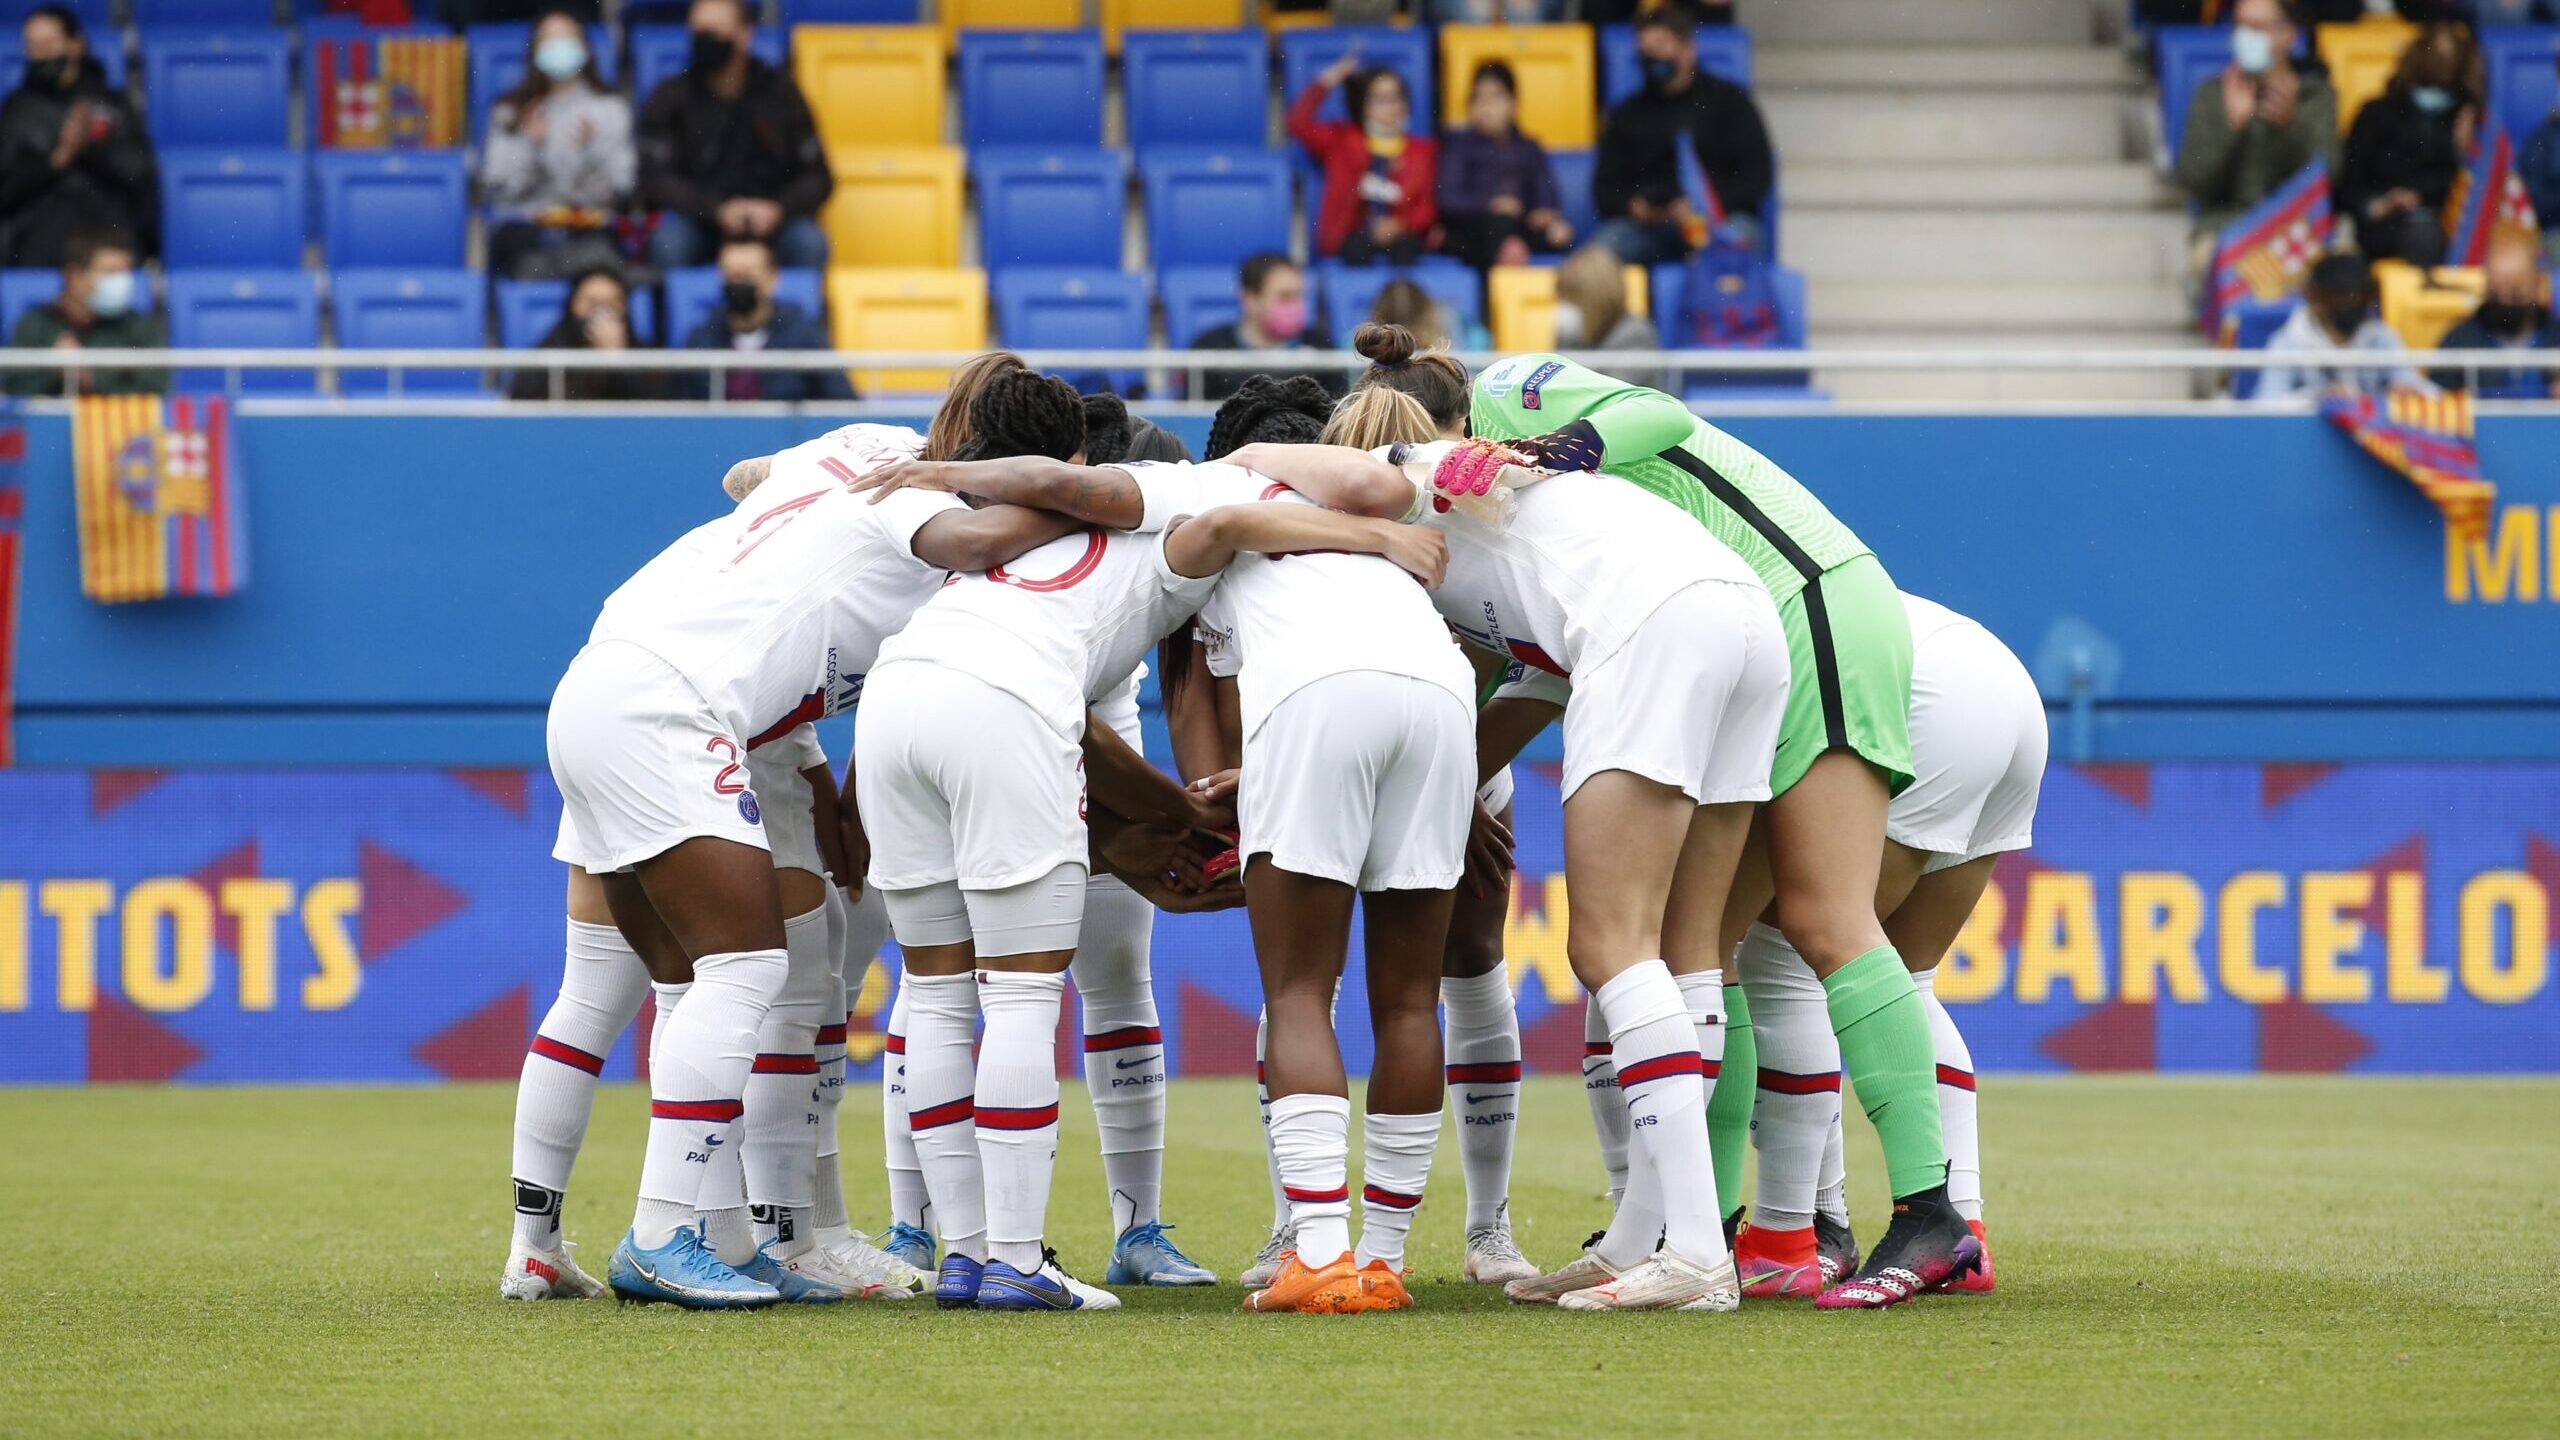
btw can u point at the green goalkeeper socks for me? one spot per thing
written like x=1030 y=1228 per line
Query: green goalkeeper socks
x=1886 y=1048
x=1729 y=1107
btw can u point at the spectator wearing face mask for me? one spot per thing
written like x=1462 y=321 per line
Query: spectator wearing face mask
x=103 y=306
x=751 y=319
x=1498 y=200
x=2340 y=313
x=1380 y=199
x=1271 y=305
x=2271 y=113
x=1635 y=181
x=2538 y=164
x=559 y=161
x=597 y=317
x=72 y=153
x=728 y=150
x=2406 y=146
x=2514 y=314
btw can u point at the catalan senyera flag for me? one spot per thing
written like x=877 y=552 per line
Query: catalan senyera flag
x=159 y=494
x=13 y=455
x=2264 y=254
x=395 y=92
x=2427 y=437
x=2487 y=196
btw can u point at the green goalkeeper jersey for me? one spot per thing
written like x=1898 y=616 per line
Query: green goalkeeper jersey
x=1650 y=438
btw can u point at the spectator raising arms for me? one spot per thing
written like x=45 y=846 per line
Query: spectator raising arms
x=728 y=150
x=2338 y=314
x=597 y=317
x=103 y=306
x=1592 y=313
x=2407 y=144
x=72 y=153
x=1636 y=178
x=2270 y=114
x=2515 y=314
x=751 y=319
x=1497 y=192
x=1379 y=177
x=1271 y=305
x=559 y=160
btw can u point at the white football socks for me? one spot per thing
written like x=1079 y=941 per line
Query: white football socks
x=1798 y=1109
x=1017 y=1109
x=782 y=1119
x=1311 y=1143
x=602 y=985
x=1655 y=1046
x=942 y=1020
x=1124 y=1057
x=1600 y=1089
x=1395 y=1165
x=1262 y=1095
x=829 y=1217
x=698 y=1074
x=1481 y=1036
x=1957 y=1112
x=909 y=1202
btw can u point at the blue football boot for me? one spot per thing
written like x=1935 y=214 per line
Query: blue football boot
x=1044 y=1287
x=683 y=1272
x=909 y=1243
x=956 y=1288
x=1144 y=1256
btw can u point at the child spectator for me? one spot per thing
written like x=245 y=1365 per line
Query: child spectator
x=728 y=150
x=2514 y=314
x=104 y=305
x=1379 y=178
x=72 y=153
x=559 y=160
x=2406 y=146
x=2268 y=115
x=1592 y=313
x=1636 y=177
x=1271 y=305
x=1402 y=302
x=1498 y=200
x=2338 y=314
x=597 y=317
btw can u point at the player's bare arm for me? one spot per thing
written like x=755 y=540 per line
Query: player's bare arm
x=972 y=540
x=1093 y=494
x=1204 y=544
x=1119 y=779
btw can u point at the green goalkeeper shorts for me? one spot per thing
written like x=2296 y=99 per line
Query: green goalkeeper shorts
x=1849 y=648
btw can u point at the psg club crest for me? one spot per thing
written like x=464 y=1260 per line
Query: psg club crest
x=748 y=809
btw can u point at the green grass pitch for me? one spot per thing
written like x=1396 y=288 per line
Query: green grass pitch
x=2177 y=1257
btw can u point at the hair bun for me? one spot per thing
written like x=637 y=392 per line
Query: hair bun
x=1385 y=345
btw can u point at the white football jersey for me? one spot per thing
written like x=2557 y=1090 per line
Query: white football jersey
x=1585 y=560
x=775 y=611
x=1278 y=622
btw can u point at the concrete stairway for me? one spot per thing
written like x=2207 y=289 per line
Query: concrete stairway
x=1971 y=174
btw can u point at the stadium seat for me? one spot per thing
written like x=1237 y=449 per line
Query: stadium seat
x=383 y=208
x=1214 y=207
x=238 y=208
x=1030 y=88
x=216 y=87
x=109 y=43
x=958 y=15
x=2523 y=62
x=1724 y=51
x=906 y=310
x=1305 y=54
x=2360 y=58
x=1051 y=207
x=153 y=14
x=1345 y=293
x=1197 y=299
x=1555 y=65
x=22 y=291
x=410 y=310
x=2423 y=304
x=1119 y=16
x=1047 y=308
x=1522 y=302
x=845 y=12
x=872 y=84
x=659 y=52
x=2188 y=57
x=245 y=309
x=1574 y=169
x=894 y=205
x=1197 y=87
x=2248 y=325
x=1669 y=292
x=497 y=63
x=694 y=293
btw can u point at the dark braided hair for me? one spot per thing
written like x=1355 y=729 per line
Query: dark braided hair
x=1024 y=412
x=1271 y=409
x=1107 y=428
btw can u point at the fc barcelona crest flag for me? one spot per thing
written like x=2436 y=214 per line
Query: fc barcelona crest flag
x=2426 y=437
x=395 y=92
x=2263 y=255
x=158 y=486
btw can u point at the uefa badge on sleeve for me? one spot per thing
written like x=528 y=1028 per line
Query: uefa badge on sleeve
x=748 y=808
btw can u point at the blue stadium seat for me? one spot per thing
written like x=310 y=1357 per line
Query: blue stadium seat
x=151 y=14
x=1196 y=87
x=1574 y=169
x=527 y=309
x=1304 y=54
x=693 y=294
x=2253 y=323
x=851 y=12
x=383 y=208
x=2524 y=77
x=1197 y=299
x=2188 y=57
x=1668 y=284
x=1724 y=51
x=1214 y=207
x=1051 y=207
x=497 y=63
x=1030 y=87
x=22 y=291
x=658 y=54
x=217 y=87
x=410 y=310
x=105 y=41
x=1057 y=308
x=239 y=208
x=245 y=309
x=1345 y=293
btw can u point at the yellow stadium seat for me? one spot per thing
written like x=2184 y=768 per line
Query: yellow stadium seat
x=1119 y=15
x=1523 y=305
x=1011 y=14
x=894 y=205
x=2423 y=304
x=2361 y=58
x=1558 y=92
x=907 y=310
x=1276 y=21
x=872 y=84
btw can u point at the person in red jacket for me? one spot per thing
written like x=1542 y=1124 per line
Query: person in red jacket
x=1378 y=176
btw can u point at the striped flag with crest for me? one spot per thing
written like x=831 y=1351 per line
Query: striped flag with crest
x=1700 y=192
x=388 y=92
x=2427 y=437
x=2488 y=196
x=2263 y=255
x=13 y=457
x=157 y=482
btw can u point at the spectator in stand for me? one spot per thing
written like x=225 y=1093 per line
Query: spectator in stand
x=559 y=161
x=72 y=152
x=1271 y=300
x=1379 y=177
x=1402 y=302
x=728 y=150
x=2514 y=314
x=1498 y=200
x=104 y=305
x=1592 y=313
x=751 y=319
x=597 y=317
x=2538 y=163
x=1636 y=181
x=2339 y=313
x=2408 y=143
x=2271 y=114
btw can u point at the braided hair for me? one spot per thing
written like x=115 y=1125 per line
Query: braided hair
x=1271 y=409
x=1107 y=429
x=1023 y=412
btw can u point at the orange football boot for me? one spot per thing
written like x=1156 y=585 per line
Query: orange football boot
x=1381 y=1288
x=1976 y=1281
x=1332 y=1290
